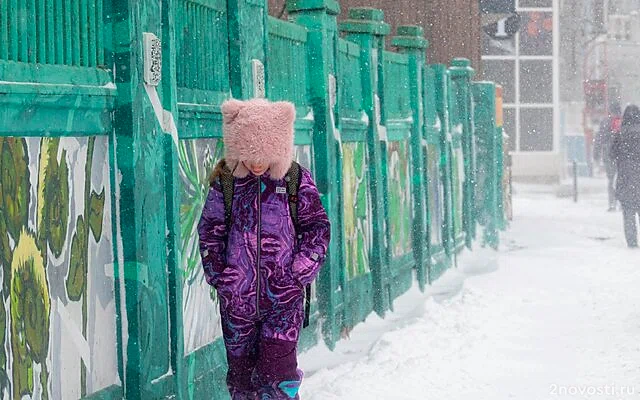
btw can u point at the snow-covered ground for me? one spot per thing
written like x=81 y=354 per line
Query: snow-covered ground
x=554 y=315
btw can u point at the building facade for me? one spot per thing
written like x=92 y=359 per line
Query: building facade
x=526 y=64
x=623 y=51
x=451 y=26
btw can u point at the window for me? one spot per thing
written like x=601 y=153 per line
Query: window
x=536 y=81
x=523 y=64
x=536 y=129
x=502 y=72
x=536 y=34
x=498 y=47
x=536 y=3
x=497 y=6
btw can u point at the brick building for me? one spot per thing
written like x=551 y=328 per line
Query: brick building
x=452 y=26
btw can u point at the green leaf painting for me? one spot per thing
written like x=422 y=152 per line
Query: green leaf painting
x=458 y=182
x=436 y=194
x=53 y=196
x=30 y=309
x=76 y=280
x=197 y=158
x=96 y=211
x=400 y=211
x=14 y=181
x=356 y=209
x=4 y=378
x=5 y=257
x=33 y=237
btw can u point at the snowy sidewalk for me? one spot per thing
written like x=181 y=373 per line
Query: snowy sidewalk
x=554 y=315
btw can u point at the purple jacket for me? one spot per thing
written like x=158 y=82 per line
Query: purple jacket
x=259 y=265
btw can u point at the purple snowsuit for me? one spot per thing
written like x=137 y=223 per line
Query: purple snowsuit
x=259 y=269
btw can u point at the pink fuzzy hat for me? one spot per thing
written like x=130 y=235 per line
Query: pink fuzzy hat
x=260 y=131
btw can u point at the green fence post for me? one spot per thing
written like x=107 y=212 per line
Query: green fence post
x=499 y=159
x=247 y=47
x=410 y=40
x=446 y=156
x=172 y=195
x=366 y=27
x=487 y=160
x=319 y=17
x=461 y=74
x=142 y=215
x=435 y=182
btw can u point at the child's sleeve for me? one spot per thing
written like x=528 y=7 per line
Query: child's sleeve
x=314 y=231
x=212 y=231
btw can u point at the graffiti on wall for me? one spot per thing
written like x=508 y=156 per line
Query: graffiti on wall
x=197 y=158
x=457 y=171
x=356 y=208
x=435 y=193
x=57 y=316
x=400 y=209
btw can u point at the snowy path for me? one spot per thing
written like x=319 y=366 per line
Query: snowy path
x=554 y=315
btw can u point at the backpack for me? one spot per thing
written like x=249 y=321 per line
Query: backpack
x=293 y=179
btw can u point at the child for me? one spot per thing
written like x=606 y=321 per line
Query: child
x=254 y=256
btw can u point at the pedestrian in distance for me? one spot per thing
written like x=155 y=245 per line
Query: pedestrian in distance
x=264 y=235
x=625 y=152
x=609 y=129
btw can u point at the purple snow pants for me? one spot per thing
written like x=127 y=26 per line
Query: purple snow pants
x=261 y=366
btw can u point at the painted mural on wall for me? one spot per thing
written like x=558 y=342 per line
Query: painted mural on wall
x=58 y=318
x=197 y=158
x=400 y=210
x=436 y=194
x=356 y=208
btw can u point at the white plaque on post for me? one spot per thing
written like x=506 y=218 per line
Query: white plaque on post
x=152 y=59
x=257 y=69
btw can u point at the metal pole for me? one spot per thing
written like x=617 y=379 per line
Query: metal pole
x=575 y=181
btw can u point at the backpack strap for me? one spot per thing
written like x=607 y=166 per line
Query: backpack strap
x=227 y=181
x=293 y=179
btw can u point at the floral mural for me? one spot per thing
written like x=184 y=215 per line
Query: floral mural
x=435 y=194
x=54 y=222
x=356 y=208
x=197 y=158
x=400 y=210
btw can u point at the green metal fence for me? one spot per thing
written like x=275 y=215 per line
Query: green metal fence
x=397 y=120
x=104 y=175
x=356 y=206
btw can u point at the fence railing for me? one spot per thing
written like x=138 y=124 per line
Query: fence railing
x=63 y=32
